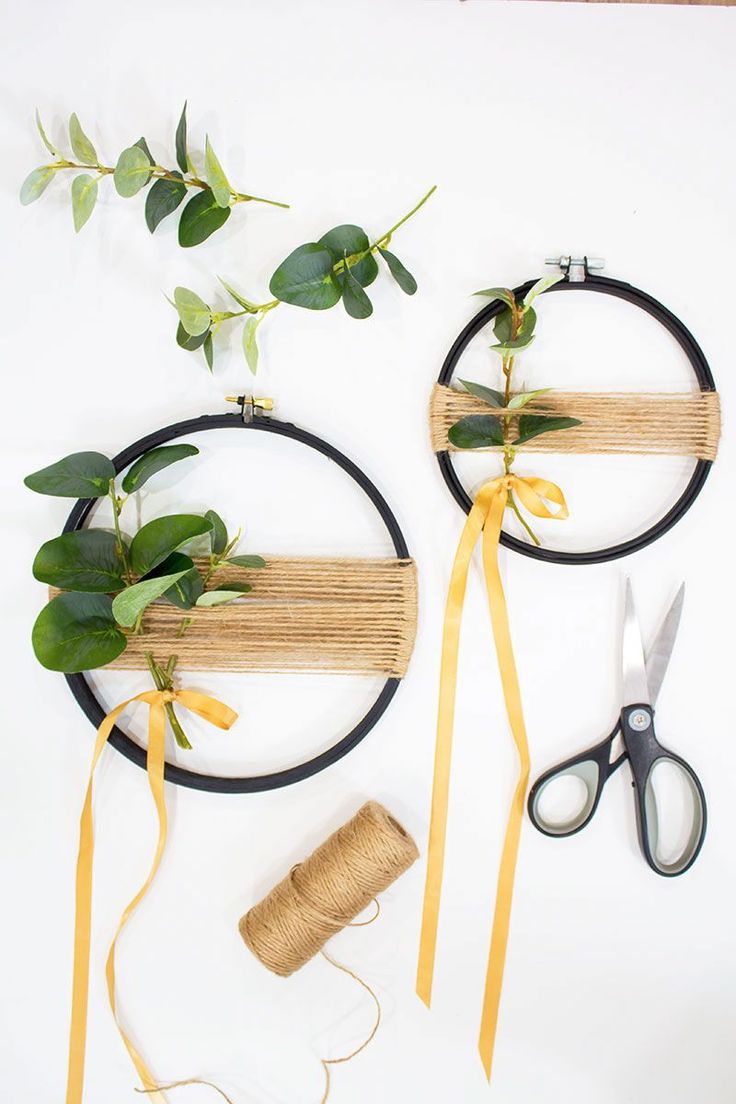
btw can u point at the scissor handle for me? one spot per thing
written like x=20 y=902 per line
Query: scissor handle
x=645 y=753
x=592 y=767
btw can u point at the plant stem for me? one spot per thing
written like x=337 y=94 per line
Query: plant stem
x=163 y=681
x=509 y=453
x=160 y=173
x=118 y=535
x=389 y=233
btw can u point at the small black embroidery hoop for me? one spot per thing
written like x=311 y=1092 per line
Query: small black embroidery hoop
x=701 y=370
x=84 y=693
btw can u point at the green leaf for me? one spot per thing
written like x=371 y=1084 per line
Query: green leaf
x=194 y=314
x=35 y=184
x=84 y=197
x=494 y=398
x=218 y=535
x=250 y=344
x=181 y=141
x=142 y=144
x=83 y=148
x=305 y=278
x=532 y=425
x=209 y=351
x=215 y=176
x=504 y=294
x=502 y=324
x=163 y=198
x=132 y=601
x=401 y=275
x=239 y=299
x=349 y=239
x=200 y=218
x=77 y=632
x=155 y=461
x=159 y=538
x=85 y=560
x=132 y=171
x=246 y=561
x=186 y=341
x=512 y=347
x=187 y=589
x=219 y=597
x=523 y=397
x=542 y=285
x=44 y=137
x=79 y=475
x=476 y=431
x=354 y=299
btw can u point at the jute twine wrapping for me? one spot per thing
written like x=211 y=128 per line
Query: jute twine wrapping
x=671 y=423
x=352 y=616
x=328 y=890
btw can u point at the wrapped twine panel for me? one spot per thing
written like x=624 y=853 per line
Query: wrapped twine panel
x=670 y=423
x=352 y=616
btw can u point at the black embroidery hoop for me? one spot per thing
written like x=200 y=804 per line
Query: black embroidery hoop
x=84 y=693
x=701 y=370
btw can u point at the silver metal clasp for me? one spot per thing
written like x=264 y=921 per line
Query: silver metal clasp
x=577 y=268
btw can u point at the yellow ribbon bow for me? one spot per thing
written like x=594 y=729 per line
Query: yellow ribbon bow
x=486 y=517
x=214 y=712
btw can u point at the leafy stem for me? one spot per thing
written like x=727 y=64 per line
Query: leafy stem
x=117 y=505
x=163 y=680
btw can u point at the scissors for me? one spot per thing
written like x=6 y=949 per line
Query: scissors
x=642 y=680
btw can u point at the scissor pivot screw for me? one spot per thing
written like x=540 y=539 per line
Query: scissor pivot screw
x=639 y=720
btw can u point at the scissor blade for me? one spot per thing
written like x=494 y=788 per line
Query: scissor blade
x=658 y=657
x=635 y=683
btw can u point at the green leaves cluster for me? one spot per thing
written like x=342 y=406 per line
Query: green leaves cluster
x=206 y=211
x=339 y=266
x=110 y=582
x=508 y=428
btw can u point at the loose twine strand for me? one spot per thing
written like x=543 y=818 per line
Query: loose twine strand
x=318 y=898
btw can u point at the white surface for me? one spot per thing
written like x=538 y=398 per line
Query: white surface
x=547 y=128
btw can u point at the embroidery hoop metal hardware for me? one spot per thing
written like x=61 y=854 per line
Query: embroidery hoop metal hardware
x=83 y=692
x=574 y=268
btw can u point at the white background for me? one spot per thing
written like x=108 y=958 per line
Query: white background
x=547 y=128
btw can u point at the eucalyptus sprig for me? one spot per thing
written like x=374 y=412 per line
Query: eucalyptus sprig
x=508 y=428
x=207 y=210
x=108 y=583
x=316 y=276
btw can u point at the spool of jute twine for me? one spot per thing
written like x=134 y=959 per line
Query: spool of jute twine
x=324 y=894
x=326 y=891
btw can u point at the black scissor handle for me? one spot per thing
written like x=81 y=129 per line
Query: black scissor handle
x=593 y=768
x=645 y=753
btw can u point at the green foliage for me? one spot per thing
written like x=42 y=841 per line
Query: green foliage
x=476 y=431
x=155 y=461
x=131 y=602
x=506 y=295
x=228 y=593
x=532 y=425
x=84 y=197
x=218 y=534
x=186 y=341
x=87 y=560
x=493 y=398
x=194 y=314
x=208 y=209
x=188 y=587
x=159 y=538
x=80 y=143
x=80 y=475
x=163 y=199
x=77 y=632
x=314 y=276
x=246 y=561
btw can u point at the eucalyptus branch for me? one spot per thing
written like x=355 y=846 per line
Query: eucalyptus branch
x=316 y=276
x=135 y=169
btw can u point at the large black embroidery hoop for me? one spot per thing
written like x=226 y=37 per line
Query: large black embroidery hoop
x=701 y=370
x=84 y=693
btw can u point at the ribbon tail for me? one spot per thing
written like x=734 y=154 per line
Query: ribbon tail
x=507 y=867
x=83 y=924
x=443 y=747
x=155 y=770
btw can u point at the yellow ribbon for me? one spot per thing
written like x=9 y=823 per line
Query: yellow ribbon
x=486 y=517
x=214 y=712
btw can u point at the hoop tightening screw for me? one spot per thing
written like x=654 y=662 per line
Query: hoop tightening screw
x=576 y=268
x=250 y=407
